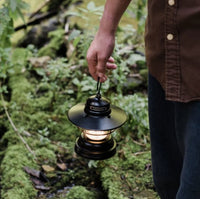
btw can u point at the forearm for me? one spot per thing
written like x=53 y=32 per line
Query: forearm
x=99 y=53
x=113 y=11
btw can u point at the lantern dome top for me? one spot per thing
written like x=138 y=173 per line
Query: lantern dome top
x=97 y=114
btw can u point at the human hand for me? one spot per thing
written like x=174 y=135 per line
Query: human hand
x=99 y=56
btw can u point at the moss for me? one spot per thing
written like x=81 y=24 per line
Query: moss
x=57 y=39
x=63 y=130
x=112 y=182
x=80 y=192
x=126 y=174
x=18 y=193
x=23 y=95
x=20 y=88
x=15 y=182
x=9 y=138
x=19 y=60
x=37 y=120
x=45 y=155
x=24 y=113
x=44 y=102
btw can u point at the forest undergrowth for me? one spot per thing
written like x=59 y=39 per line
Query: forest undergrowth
x=40 y=81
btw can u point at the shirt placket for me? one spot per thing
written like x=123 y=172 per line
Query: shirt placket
x=172 y=52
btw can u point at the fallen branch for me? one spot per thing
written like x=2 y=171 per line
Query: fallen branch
x=15 y=128
x=36 y=20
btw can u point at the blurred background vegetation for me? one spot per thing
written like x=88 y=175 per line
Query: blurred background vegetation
x=43 y=73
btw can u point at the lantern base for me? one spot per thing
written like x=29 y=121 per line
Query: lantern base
x=95 y=151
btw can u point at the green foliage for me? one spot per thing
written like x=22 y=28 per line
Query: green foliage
x=9 y=11
x=136 y=108
x=90 y=10
x=139 y=7
x=15 y=8
x=6 y=28
x=42 y=95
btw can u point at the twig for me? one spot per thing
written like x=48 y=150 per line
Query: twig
x=138 y=143
x=140 y=153
x=15 y=128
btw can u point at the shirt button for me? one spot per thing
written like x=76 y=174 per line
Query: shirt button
x=171 y=2
x=170 y=37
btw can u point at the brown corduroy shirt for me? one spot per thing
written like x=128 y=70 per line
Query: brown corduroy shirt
x=172 y=42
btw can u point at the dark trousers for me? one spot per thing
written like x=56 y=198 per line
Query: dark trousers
x=175 y=145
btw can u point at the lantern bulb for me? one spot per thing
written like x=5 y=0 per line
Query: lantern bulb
x=96 y=135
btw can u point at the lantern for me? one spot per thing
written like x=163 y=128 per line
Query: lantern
x=97 y=119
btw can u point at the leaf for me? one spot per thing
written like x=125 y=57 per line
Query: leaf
x=3 y=89
x=76 y=41
x=6 y=19
x=36 y=173
x=13 y=5
x=62 y=166
x=83 y=10
x=91 y=6
x=70 y=91
x=32 y=172
x=42 y=187
x=23 y=5
x=40 y=71
x=19 y=12
x=36 y=181
x=47 y=168
x=76 y=82
x=134 y=58
x=74 y=34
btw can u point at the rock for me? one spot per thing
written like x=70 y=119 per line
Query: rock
x=39 y=62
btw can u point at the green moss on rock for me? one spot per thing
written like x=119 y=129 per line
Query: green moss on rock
x=45 y=155
x=80 y=192
x=37 y=121
x=19 y=60
x=15 y=182
x=126 y=174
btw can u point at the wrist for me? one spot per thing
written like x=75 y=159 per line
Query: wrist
x=108 y=24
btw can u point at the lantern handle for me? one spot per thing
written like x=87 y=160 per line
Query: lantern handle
x=98 y=95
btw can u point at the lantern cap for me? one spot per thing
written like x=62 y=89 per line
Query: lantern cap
x=97 y=106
